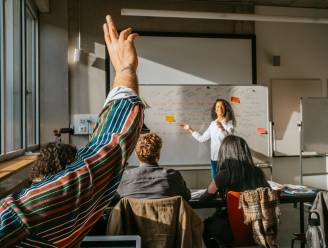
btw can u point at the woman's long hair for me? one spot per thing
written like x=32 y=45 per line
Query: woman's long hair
x=228 y=111
x=235 y=157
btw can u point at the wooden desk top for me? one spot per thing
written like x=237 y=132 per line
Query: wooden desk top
x=9 y=167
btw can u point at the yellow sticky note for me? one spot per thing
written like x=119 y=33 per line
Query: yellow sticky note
x=170 y=118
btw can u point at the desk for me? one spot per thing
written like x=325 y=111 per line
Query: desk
x=284 y=199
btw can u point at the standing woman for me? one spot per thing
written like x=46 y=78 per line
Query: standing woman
x=223 y=122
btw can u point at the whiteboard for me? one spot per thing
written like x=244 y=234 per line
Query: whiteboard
x=194 y=60
x=314 y=117
x=192 y=104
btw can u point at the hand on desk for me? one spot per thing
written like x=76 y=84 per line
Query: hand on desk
x=207 y=196
x=210 y=192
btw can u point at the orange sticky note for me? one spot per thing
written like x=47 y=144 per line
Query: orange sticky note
x=261 y=130
x=235 y=99
x=170 y=118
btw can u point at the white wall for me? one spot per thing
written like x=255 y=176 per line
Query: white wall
x=304 y=55
x=54 y=87
x=301 y=47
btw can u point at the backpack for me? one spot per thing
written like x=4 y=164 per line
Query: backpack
x=314 y=235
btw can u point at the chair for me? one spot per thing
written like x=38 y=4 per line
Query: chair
x=161 y=223
x=242 y=234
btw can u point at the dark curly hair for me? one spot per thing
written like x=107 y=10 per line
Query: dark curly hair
x=228 y=111
x=53 y=158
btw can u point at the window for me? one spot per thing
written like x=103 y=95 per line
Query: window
x=18 y=77
x=31 y=79
x=12 y=76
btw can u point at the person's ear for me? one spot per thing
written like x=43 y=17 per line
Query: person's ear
x=158 y=156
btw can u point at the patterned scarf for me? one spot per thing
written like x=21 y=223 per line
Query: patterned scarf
x=260 y=209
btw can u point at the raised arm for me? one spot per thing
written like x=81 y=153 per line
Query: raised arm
x=62 y=208
x=199 y=137
x=122 y=54
x=202 y=137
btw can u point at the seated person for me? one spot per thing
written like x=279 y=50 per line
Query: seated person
x=149 y=180
x=54 y=157
x=237 y=172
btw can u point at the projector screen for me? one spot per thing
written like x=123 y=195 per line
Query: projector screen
x=181 y=60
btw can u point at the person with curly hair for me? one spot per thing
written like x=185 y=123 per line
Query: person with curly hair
x=149 y=180
x=54 y=157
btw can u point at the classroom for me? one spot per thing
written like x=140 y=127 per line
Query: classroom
x=64 y=81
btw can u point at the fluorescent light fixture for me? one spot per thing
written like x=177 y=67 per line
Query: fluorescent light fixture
x=220 y=16
x=78 y=52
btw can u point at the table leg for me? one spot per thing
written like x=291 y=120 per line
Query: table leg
x=302 y=222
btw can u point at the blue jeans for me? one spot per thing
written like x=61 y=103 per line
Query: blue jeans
x=214 y=171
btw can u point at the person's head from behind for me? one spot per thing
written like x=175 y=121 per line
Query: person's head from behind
x=148 y=148
x=53 y=158
x=235 y=157
x=222 y=109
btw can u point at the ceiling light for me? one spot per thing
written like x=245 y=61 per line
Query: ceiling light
x=220 y=16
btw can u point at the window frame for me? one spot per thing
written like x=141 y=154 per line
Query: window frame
x=2 y=113
x=29 y=6
x=11 y=154
x=4 y=155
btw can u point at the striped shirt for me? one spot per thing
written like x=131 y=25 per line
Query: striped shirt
x=60 y=210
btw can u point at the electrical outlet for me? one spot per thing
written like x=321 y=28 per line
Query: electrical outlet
x=84 y=123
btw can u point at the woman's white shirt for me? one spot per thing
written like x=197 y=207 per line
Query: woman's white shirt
x=216 y=135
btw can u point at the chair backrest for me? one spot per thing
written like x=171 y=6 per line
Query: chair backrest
x=242 y=234
x=168 y=222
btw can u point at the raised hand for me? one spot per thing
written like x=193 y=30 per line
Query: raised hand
x=122 y=54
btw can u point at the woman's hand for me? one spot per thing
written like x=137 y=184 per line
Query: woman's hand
x=219 y=124
x=210 y=193
x=186 y=127
x=122 y=54
x=212 y=189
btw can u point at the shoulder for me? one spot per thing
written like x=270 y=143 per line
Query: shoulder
x=212 y=124
x=225 y=121
x=131 y=172
x=171 y=172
